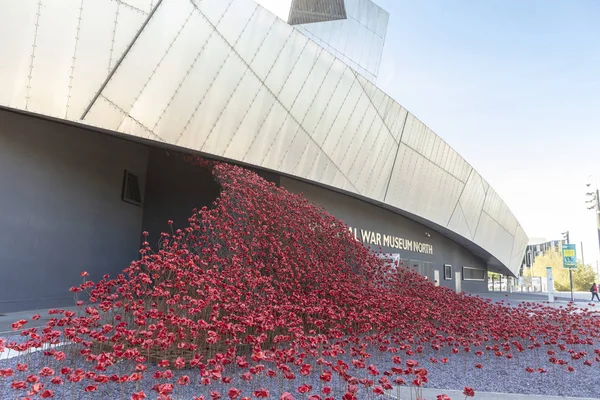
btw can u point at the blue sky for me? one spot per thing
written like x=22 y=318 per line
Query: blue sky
x=514 y=86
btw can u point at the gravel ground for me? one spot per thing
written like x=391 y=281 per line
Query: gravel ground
x=497 y=375
x=507 y=376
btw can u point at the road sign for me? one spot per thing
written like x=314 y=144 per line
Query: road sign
x=569 y=252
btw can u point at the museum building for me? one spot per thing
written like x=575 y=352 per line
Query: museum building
x=99 y=100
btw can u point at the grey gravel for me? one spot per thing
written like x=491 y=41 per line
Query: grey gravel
x=497 y=375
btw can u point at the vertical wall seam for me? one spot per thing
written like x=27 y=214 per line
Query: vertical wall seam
x=34 y=46
x=396 y=157
x=113 y=39
x=78 y=31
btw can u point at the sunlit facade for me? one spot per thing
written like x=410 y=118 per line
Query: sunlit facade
x=233 y=80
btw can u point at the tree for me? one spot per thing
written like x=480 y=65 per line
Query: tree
x=583 y=276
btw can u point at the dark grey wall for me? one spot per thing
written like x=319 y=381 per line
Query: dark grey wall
x=361 y=215
x=61 y=210
x=173 y=189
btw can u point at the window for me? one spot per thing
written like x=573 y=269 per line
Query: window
x=391 y=260
x=448 y=272
x=428 y=270
x=131 y=189
x=416 y=266
x=473 y=274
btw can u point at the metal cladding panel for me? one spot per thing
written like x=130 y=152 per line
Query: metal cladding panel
x=148 y=53
x=377 y=164
x=486 y=185
x=289 y=148
x=144 y=6
x=413 y=187
x=357 y=39
x=393 y=114
x=311 y=88
x=134 y=128
x=254 y=121
x=298 y=75
x=370 y=126
x=54 y=45
x=105 y=115
x=213 y=103
x=277 y=120
x=271 y=49
x=226 y=77
x=498 y=210
x=519 y=247
x=18 y=21
x=186 y=100
x=286 y=61
x=152 y=104
x=232 y=116
x=253 y=35
x=52 y=57
x=335 y=107
x=235 y=20
x=366 y=156
x=495 y=239
x=458 y=223
x=105 y=30
x=377 y=185
x=471 y=201
x=280 y=8
x=352 y=114
x=213 y=10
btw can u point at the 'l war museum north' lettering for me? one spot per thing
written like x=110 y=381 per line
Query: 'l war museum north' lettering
x=394 y=242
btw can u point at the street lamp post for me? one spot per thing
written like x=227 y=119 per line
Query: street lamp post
x=593 y=203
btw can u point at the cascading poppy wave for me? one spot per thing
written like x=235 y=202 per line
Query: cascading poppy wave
x=266 y=288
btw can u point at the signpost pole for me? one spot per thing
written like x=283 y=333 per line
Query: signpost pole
x=569 y=253
x=571 y=278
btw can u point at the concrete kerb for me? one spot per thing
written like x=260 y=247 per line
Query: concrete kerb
x=431 y=394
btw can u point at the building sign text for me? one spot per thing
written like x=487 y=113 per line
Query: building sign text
x=394 y=242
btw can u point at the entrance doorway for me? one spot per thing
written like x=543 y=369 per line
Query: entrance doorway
x=457 y=282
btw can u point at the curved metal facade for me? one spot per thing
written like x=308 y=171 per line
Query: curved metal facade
x=227 y=77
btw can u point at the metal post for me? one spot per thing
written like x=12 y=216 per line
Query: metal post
x=598 y=215
x=570 y=271
x=571 y=278
x=582 y=256
x=550 y=282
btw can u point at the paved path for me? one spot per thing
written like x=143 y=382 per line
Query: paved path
x=581 y=298
x=431 y=394
x=7 y=320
